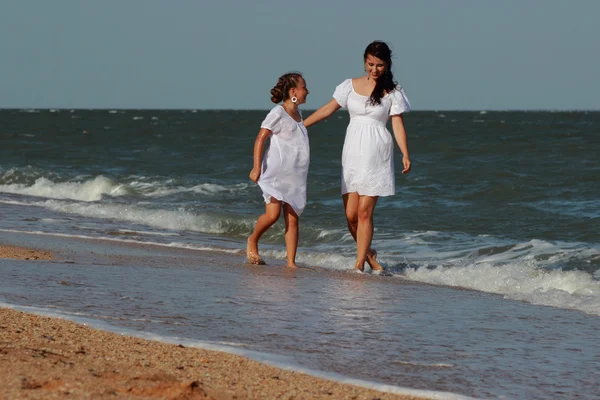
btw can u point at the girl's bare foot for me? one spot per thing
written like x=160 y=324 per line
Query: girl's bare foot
x=372 y=261
x=252 y=253
x=292 y=265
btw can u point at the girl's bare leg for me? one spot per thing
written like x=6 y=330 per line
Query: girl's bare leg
x=351 y=201
x=265 y=221
x=291 y=234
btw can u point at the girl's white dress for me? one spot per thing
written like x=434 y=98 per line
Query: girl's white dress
x=368 y=155
x=285 y=164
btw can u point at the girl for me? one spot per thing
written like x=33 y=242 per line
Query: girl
x=281 y=174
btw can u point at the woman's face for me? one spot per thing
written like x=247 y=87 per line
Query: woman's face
x=300 y=91
x=374 y=66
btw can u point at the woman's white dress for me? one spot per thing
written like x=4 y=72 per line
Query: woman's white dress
x=285 y=163
x=368 y=155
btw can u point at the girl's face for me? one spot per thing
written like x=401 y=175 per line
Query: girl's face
x=374 y=66
x=300 y=91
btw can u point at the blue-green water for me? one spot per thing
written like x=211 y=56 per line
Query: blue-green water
x=513 y=192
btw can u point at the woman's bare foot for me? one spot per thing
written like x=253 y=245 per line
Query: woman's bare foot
x=252 y=253
x=291 y=264
x=359 y=267
x=372 y=261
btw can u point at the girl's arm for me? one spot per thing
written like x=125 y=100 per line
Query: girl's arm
x=400 y=135
x=322 y=113
x=259 y=145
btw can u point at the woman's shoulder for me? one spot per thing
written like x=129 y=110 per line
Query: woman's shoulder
x=398 y=89
x=399 y=100
x=398 y=92
x=346 y=82
x=344 y=88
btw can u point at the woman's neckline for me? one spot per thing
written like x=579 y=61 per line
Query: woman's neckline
x=286 y=113
x=362 y=95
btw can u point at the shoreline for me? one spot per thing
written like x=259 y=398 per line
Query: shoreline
x=51 y=357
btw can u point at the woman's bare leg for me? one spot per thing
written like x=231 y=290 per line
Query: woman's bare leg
x=351 y=201
x=265 y=221
x=364 y=232
x=291 y=234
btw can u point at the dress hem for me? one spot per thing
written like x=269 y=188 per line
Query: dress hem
x=368 y=194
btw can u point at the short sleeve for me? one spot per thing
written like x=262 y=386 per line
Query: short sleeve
x=400 y=102
x=342 y=91
x=272 y=119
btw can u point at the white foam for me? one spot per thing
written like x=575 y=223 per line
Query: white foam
x=164 y=219
x=156 y=189
x=325 y=260
x=88 y=189
x=278 y=361
x=91 y=190
x=520 y=280
x=334 y=233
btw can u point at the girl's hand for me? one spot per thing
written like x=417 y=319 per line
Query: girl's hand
x=406 y=163
x=255 y=174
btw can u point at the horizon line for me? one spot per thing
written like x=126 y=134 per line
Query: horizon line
x=55 y=109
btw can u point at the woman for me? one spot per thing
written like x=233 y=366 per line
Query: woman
x=282 y=173
x=368 y=156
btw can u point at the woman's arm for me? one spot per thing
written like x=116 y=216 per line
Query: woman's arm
x=322 y=113
x=259 y=145
x=400 y=135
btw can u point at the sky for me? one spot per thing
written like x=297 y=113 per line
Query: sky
x=225 y=54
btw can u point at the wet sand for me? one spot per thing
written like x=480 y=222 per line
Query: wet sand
x=22 y=253
x=43 y=358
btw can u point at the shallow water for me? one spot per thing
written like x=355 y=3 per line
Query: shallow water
x=380 y=329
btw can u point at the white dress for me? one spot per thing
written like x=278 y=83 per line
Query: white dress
x=285 y=163
x=368 y=155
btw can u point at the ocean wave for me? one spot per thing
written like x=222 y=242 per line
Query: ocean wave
x=157 y=188
x=183 y=219
x=175 y=220
x=525 y=279
x=34 y=182
x=90 y=190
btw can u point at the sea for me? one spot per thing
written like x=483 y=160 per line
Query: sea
x=491 y=245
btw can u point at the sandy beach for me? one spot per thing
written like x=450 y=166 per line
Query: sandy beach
x=43 y=358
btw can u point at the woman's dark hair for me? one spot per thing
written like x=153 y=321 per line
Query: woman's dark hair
x=281 y=91
x=385 y=84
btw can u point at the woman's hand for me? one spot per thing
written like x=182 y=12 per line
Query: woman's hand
x=255 y=174
x=406 y=163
